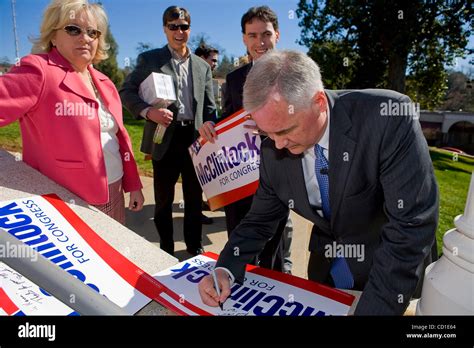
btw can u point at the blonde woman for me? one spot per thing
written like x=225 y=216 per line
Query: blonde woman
x=70 y=114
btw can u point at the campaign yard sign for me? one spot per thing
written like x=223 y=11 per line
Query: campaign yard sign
x=264 y=292
x=228 y=170
x=48 y=225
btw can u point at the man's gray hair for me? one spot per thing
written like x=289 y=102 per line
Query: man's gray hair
x=291 y=74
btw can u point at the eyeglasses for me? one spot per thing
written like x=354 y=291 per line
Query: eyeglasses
x=253 y=128
x=214 y=60
x=175 y=27
x=74 y=30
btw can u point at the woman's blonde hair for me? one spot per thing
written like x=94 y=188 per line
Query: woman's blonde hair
x=59 y=13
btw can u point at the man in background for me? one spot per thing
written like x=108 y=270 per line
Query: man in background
x=209 y=54
x=192 y=79
x=260 y=35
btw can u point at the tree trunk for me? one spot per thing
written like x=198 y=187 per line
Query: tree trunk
x=397 y=66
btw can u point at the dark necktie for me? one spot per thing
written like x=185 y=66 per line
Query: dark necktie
x=340 y=272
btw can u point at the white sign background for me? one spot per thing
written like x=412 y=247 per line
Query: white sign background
x=259 y=295
x=237 y=141
x=96 y=269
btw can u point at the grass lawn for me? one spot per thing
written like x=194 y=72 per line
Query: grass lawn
x=135 y=130
x=453 y=174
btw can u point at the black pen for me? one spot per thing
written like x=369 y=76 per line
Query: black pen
x=216 y=286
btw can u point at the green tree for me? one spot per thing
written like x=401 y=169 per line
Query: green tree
x=144 y=46
x=375 y=43
x=460 y=93
x=226 y=66
x=196 y=40
x=109 y=66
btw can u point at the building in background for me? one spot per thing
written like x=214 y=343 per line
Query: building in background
x=449 y=129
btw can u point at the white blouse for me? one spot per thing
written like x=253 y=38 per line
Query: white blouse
x=110 y=144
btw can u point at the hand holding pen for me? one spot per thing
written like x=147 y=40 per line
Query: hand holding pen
x=215 y=288
x=218 y=290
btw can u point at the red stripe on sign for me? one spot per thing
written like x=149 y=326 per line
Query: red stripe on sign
x=7 y=304
x=320 y=289
x=232 y=196
x=317 y=288
x=235 y=116
x=232 y=125
x=185 y=303
x=177 y=310
x=170 y=306
x=130 y=272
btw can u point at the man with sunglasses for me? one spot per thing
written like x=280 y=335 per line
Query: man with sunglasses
x=194 y=105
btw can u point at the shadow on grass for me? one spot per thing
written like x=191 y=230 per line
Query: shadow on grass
x=442 y=161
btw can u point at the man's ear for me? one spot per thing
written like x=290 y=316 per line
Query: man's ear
x=319 y=99
x=277 y=34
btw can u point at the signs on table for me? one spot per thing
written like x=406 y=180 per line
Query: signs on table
x=48 y=225
x=264 y=292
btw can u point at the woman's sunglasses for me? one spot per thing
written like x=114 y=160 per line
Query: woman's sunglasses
x=174 y=27
x=74 y=30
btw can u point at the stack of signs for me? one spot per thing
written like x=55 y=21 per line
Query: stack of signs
x=264 y=292
x=228 y=170
x=48 y=225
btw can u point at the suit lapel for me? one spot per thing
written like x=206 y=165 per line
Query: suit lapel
x=245 y=72
x=165 y=66
x=196 y=72
x=75 y=84
x=341 y=153
x=71 y=78
x=107 y=92
x=168 y=69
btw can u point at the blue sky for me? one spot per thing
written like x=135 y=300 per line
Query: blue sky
x=134 y=21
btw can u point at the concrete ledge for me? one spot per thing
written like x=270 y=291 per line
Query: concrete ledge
x=18 y=180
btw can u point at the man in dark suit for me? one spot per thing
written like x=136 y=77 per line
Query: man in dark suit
x=260 y=34
x=195 y=104
x=356 y=164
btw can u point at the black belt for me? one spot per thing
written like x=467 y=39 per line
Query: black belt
x=185 y=123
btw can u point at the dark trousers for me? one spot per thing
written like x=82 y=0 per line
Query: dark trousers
x=277 y=248
x=166 y=172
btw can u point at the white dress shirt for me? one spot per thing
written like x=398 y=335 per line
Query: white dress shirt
x=309 y=160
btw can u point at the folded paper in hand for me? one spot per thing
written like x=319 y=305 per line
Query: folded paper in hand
x=158 y=90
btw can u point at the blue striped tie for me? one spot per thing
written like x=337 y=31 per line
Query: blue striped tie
x=340 y=272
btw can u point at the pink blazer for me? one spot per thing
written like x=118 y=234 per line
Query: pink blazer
x=60 y=125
